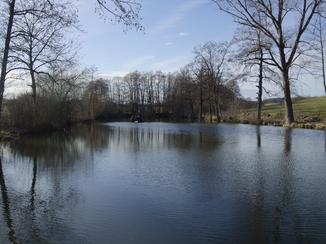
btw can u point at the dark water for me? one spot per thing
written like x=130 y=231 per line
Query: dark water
x=165 y=183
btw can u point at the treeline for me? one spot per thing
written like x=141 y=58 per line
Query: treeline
x=83 y=96
x=37 y=37
x=271 y=48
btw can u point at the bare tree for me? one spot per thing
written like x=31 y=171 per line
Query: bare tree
x=168 y=92
x=133 y=83
x=287 y=22
x=318 y=44
x=65 y=82
x=200 y=83
x=252 y=48
x=159 y=90
x=118 y=92
x=121 y=11
x=210 y=60
x=118 y=11
x=95 y=97
x=322 y=41
x=39 y=38
x=185 y=93
x=4 y=60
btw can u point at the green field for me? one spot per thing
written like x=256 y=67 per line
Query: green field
x=315 y=106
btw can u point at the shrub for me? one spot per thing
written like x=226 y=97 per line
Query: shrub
x=46 y=114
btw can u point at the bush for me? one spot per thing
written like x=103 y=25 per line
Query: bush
x=46 y=114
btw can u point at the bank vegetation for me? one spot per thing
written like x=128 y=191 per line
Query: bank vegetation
x=264 y=50
x=78 y=97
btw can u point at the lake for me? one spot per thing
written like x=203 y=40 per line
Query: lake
x=123 y=182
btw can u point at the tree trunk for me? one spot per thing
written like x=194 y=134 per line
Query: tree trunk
x=192 y=111
x=322 y=60
x=210 y=112
x=260 y=86
x=321 y=42
x=201 y=108
x=289 y=118
x=218 y=110
x=33 y=85
x=6 y=52
x=219 y=114
x=90 y=105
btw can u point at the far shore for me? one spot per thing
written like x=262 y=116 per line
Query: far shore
x=9 y=133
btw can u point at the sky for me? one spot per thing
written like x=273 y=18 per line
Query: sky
x=172 y=29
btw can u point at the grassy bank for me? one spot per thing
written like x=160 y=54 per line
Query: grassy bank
x=314 y=106
x=309 y=113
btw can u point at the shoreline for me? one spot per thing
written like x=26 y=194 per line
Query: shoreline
x=301 y=121
x=10 y=133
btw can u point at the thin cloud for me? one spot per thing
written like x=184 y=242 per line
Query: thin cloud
x=178 y=14
x=183 y=33
x=113 y=74
x=137 y=62
x=172 y=64
x=169 y=43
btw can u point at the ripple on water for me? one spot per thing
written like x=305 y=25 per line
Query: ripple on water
x=166 y=183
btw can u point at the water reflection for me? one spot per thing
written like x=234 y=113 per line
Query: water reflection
x=287 y=140
x=164 y=183
x=40 y=182
x=6 y=210
x=258 y=136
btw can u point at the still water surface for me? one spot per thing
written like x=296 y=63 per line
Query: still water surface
x=164 y=183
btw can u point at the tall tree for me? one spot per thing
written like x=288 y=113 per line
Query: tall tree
x=39 y=38
x=287 y=22
x=200 y=83
x=251 y=52
x=319 y=44
x=4 y=60
x=211 y=59
x=122 y=11
x=322 y=41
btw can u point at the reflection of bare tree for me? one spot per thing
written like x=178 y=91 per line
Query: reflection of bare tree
x=258 y=136
x=276 y=226
x=143 y=137
x=287 y=140
x=43 y=162
x=285 y=187
x=55 y=150
x=6 y=208
x=245 y=190
x=33 y=181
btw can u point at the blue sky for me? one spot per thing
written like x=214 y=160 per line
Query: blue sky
x=172 y=29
